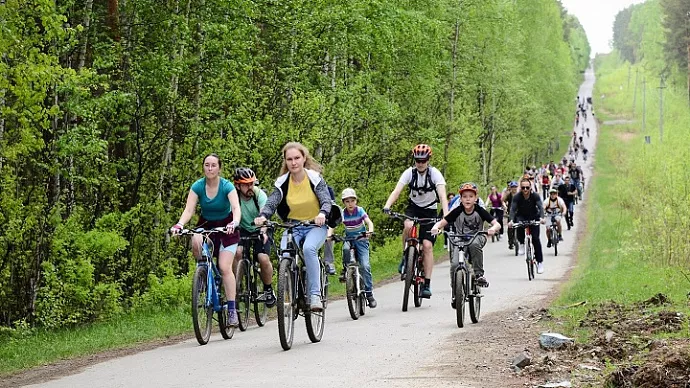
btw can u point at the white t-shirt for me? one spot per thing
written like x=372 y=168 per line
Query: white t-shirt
x=554 y=206
x=425 y=200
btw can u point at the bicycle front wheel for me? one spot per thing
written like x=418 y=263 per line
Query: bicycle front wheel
x=529 y=259
x=475 y=301
x=460 y=297
x=555 y=239
x=202 y=311
x=243 y=294
x=226 y=331
x=353 y=300
x=417 y=286
x=260 y=309
x=316 y=320
x=362 y=297
x=410 y=257
x=285 y=306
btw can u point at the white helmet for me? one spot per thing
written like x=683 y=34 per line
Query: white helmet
x=348 y=193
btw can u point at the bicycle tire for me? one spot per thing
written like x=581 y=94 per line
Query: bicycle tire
x=409 y=272
x=362 y=297
x=460 y=297
x=475 y=302
x=285 y=304
x=530 y=260
x=243 y=296
x=225 y=331
x=554 y=231
x=260 y=309
x=202 y=314
x=417 y=286
x=316 y=320
x=353 y=300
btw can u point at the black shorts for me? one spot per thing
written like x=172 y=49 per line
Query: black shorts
x=413 y=210
x=258 y=246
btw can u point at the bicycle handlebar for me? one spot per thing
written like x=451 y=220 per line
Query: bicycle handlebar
x=187 y=232
x=523 y=224
x=286 y=225
x=417 y=220
x=361 y=236
x=468 y=237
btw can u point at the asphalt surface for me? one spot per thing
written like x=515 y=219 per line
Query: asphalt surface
x=386 y=347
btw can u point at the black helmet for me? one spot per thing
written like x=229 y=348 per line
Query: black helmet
x=244 y=175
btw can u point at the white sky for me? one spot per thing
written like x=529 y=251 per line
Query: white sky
x=597 y=16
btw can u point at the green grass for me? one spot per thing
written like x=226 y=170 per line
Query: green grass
x=614 y=260
x=21 y=350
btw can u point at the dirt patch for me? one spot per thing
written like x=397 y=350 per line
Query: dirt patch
x=625 y=136
x=618 y=122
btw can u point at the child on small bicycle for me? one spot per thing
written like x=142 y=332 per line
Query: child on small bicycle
x=354 y=219
x=469 y=219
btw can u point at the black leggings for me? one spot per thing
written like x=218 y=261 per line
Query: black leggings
x=534 y=231
x=498 y=215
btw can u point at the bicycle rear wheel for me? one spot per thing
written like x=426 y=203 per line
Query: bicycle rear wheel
x=460 y=297
x=243 y=296
x=260 y=309
x=362 y=297
x=554 y=241
x=475 y=301
x=202 y=311
x=226 y=331
x=316 y=320
x=353 y=300
x=285 y=306
x=409 y=274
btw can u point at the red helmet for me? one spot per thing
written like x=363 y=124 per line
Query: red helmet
x=421 y=151
x=469 y=186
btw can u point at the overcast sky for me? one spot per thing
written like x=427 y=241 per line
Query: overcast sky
x=597 y=16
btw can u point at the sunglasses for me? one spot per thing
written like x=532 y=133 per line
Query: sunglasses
x=421 y=161
x=525 y=188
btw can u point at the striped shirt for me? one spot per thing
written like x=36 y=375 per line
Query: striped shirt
x=354 y=222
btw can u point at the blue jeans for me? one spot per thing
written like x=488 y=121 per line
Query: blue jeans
x=313 y=237
x=362 y=249
x=576 y=182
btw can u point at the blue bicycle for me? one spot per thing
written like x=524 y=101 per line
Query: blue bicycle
x=208 y=295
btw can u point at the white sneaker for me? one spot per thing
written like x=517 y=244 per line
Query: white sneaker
x=540 y=267
x=521 y=249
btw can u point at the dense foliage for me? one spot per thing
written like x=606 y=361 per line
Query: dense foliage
x=107 y=109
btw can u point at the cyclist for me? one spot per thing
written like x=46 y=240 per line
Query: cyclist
x=220 y=207
x=567 y=192
x=469 y=219
x=584 y=153
x=554 y=206
x=545 y=183
x=252 y=199
x=528 y=206
x=301 y=194
x=576 y=175
x=427 y=187
x=507 y=203
x=497 y=208
x=587 y=130
x=356 y=221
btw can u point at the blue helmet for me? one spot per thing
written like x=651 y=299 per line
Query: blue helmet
x=513 y=184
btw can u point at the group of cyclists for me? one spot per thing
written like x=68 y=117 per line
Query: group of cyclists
x=301 y=194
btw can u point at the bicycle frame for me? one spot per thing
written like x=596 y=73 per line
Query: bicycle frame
x=213 y=275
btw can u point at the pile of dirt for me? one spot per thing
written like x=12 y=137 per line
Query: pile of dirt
x=623 y=336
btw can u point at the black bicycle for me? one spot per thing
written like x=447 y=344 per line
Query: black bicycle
x=354 y=281
x=414 y=260
x=529 y=255
x=552 y=234
x=464 y=287
x=248 y=276
x=292 y=290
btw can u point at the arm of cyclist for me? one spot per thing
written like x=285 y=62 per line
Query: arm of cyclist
x=270 y=207
x=395 y=194
x=441 y=191
x=187 y=214
x=324 y=197
x=370 y=226
x=513 y=210
x=540 y=208
x=236 y=212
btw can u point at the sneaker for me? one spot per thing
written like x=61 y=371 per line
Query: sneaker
x=315 y=303
x=269 y=298
x=371 y=301
x=341 y=279
x=426 y=292
x=232 y=320
x=521 y=249
x=482 y=282
x=401 y=268
x=548 y=244
x=560 y=238
x=510 y=247
x=540 y=267
x=330 y=269
x=452 y=303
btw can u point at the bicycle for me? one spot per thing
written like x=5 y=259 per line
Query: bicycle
x=292 y=290
x=552 y=231
x=464 y=288
x=495 y=210
x=529 y=256
x=208 y=295
x=248 y=274
x=414 y=260
x=354 y=281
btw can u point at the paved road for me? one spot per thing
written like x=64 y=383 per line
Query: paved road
x=382 y=348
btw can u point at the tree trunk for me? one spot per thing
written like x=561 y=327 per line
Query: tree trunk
x=114 y=20
x=451 y=118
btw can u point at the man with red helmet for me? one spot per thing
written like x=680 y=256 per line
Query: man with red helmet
x=427 y=188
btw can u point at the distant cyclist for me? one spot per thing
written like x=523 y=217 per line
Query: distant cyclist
x=554 y=206
x=507 y=202
x=427 y=188
x=587 y=130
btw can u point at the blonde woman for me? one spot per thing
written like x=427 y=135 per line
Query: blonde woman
x=301 y=194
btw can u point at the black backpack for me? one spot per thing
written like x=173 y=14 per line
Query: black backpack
x=429 y=186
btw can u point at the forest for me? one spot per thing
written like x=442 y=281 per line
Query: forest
x=107 y=108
